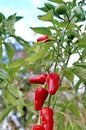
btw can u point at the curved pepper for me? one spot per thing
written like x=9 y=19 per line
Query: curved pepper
x=39 y=79
x=43 y=38
x=40 y=96
x=46 y=115
x=53 y=81
x=37 y=127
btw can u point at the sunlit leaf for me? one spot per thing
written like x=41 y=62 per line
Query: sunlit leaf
x=48 y=16
x=14 y=90
x=17 y=63
x=42 y=30
x=9 y=23
x=81 y=42
x=7 y=95
x=40 y=54
x=63 y=24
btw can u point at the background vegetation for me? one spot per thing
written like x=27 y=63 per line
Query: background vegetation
x=67 y=38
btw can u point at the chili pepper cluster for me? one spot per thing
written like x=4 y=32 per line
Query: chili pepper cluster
x=52 y=81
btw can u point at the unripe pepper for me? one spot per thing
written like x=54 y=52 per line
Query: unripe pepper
x=37 y=127
x=46 y=115
x=40 y=96
x=79 y=13
x=39 y=79
x=44 y=38
x=60 y=9
x=53 y=82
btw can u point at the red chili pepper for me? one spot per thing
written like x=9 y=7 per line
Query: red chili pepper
x=37 y=127
x=43 y=38
x=39 y=79
x=40 y=96
x=53 y=82
x=46 y=115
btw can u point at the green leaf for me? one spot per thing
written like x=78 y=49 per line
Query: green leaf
x=4 y=114
x=21 y=41
x=10 y=50
x=43 y=9
x=77 y=85
x=76 y=126
x=69 y=74
x=18 y=18
x=84 y=100
x=80 y=72
x=63 y=88
x=13 y=93
x=7 y=96
x=58 y=1
x=83 y=64
x=17 y=63
x=63 y=24
x=74 y=2
x=42 y=30
x=0 y=52
x=69 y=127
x=81 y=42
x=2 y=17
x=48 y=16
x=60 y=121
x=42 y=50
x=84 y=53
x=49 y=6
x=3 y=75
x=20 y=109
x=9 y=23
x=11 y=17
x=29 y=118
x=14 y=90
x=74 y=109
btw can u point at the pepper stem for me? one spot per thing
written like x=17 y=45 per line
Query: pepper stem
x=49 y=100
x=39 y=121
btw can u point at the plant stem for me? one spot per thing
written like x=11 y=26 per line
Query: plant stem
x=55 y=99
x=49 y=100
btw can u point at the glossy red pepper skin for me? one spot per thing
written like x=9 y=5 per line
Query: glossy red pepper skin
x=46 y=115
x=43 y=38
x=40 y=96
x=37 y=127
x=39 y=79
x=53 y=82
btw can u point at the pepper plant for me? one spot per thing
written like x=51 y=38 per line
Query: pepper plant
x=62 y=39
